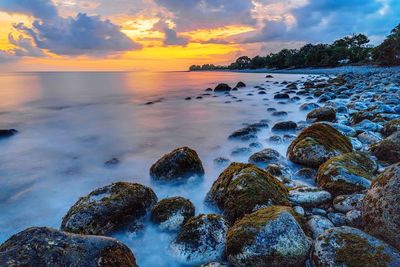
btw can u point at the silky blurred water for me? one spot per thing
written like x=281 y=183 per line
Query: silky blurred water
x=70 y=124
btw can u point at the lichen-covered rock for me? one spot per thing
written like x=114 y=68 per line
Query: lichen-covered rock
x=381 y=206
x=265 y=156
x=268 y=237
x=309 y=196
x=109 y=209
x=201 y=239
x=345 y=203
x=171 y=213
x=391 y=127
x=318 y=224
x=42 y=246
x=388 y=149
x=322 y=114
x=242 y=188
x=346 y=174
x=347 y=246
x=318 y=143
x=177 y=165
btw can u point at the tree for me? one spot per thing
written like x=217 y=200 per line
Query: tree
x=388 y=53
x=243 y=62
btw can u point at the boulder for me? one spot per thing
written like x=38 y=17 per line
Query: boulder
x=222 y=87
x=309 y=196
x=171 y=213
x=388 y=149
x=201 y=239
x=347 y=246
x=346 y=174
x=381 y=206
x=109 y=209
x=243 y=188
x=316 y=144
x=42 y=246
x=177 y=165
x=265 y=156
x=271 y=236
x=322 y=114
x=240 y=85
x=345 y=203
x=285 y=126
x=318 y=224
x=281 y=96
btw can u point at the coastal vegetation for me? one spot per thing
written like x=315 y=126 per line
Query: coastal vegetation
x=349 y=50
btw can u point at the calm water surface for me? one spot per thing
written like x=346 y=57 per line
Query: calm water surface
x=72 y=123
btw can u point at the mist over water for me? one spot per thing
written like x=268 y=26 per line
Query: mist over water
x=70 y=124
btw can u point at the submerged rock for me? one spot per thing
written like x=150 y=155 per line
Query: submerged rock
x=42 y=246
x=109 y=209
x=309 y=106
x=240 y=85
x=388 y=149
x=381 y=206
x=171 y=213
x=285 y=126
x=322 y=114
x=222 y=87
x=7 y=133
x=347 y=246
x=268 y=237
x=177 y=165
x=242 y=188
x=346 y=174
x=281 y=96
x=265 y=156
x=201 y=239
x=316 y=144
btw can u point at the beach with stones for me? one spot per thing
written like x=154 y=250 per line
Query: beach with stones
x=314 y=186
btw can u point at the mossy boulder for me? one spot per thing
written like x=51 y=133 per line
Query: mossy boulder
x=271 y=236
x=42 y=246
x=322 y=114
x=109 y=209
x=318 y=143
x=242 y=188
x=347 y=246
x=201 y=239
x=391 y=127
x=381 y=206
x=346 y=174
x=265 y=156
x=177 y=165
x=388 y=149
x=171 y=213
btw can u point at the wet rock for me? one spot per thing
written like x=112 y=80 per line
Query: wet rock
x=299 y=210
x=318 y=224
x=318 y=211
x=266 y=156
x=279 y=113
x=388 y=149
x=256 y=145
x=109 y=209
x=268 y=237
x=242 y=188
x=367 y=125
x=322 y=114
x=241 y=151
x=42 y=246
x=338 y=219
x=391 y=127
x=240 y=85
x=177 y=165
x=346 y=174
x=344 y=129
x=309 y=106
x=368 y=138
x=360 y=116
x=222 y=87
x=285 y=126
x=283 y=173
x=381 y=206
x=112 y=162
x=201 y=239
x=171 y=213
x=245 y=134
x=345 y=203
x=275 y=139
x=269 y=76
x=316 y=144
x=208 y=89
x=281 y=96
x=7 y=133
x=309 y=196
x=347 y=246
x=353 y=218
x=223 y=162
x=305 y=173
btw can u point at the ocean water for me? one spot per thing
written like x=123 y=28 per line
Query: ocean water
x=70 y=124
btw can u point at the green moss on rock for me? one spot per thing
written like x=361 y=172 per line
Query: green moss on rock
x=316 y=144
x=242 y=188
x=347 y=173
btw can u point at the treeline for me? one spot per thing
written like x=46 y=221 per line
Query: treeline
x=353 y=50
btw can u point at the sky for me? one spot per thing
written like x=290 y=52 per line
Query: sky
x=168 y=35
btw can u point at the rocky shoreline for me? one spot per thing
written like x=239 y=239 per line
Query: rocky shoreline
x=349 y=147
